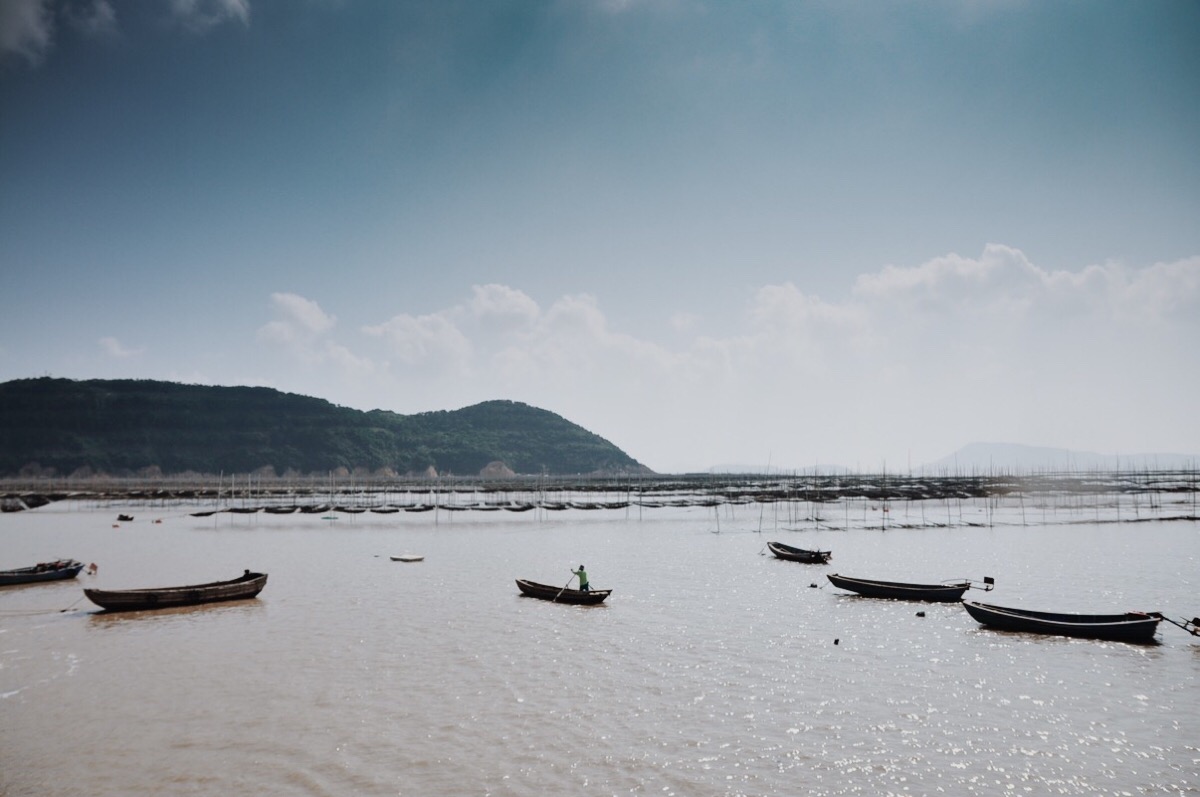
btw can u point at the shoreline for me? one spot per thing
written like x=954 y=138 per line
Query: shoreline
x=250 y=494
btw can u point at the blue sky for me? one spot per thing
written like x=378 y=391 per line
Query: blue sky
x=857 y=233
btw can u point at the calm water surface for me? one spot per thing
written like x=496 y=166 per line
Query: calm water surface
x=712 y=670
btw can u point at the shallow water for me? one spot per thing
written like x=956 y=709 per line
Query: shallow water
x=712 y=670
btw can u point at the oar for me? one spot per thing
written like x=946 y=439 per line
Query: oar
x=1191 y=626
x=564 y=589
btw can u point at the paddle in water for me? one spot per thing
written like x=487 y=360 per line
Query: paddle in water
x=564 y=589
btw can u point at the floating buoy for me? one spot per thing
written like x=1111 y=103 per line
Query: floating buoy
x=836 y=641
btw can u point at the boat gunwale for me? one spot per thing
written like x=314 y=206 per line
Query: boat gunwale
x=902 y=584
x=20 y=576
x=1076 y=621
x=791 y=549
x=244 y=587
x=574 y=595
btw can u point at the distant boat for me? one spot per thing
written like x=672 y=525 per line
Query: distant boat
x=247 y=585
x=799 y=554
x=408 y=557
x=945 y=592
x=58 y=570
x=124 y=518
x=561 y=594
x=1127 y=627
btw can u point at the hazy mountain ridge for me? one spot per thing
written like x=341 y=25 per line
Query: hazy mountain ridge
x=983 y=458
x=122 y=427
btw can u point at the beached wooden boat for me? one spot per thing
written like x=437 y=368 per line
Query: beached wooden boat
x=1127 y=627
x=58 y=570
x=408 y=557
x=793 y=554
x=244 y=586
x=561 y=595
x=945 y=592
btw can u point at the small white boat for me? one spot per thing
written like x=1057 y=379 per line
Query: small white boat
x=408 y=557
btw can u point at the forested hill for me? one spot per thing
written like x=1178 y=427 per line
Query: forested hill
x=125 y=427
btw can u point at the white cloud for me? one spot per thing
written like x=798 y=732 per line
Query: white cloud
x=303 y=331
x=97 y=20
x=684 y=322
x=26 y=28
x=503 y=309
x=203 y=15
x=430 y=340
x=115 y=349
x=301 y=316
x=907 y=366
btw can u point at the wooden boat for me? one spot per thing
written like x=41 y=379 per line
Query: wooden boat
x=408 y=557
x=1127 y=627
x=561 y=595
x=244 y=586
x=799 y=554
x=58 y=570
x=946 y=592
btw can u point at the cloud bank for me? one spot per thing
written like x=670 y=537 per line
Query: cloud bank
x=913 y=360
x=28 y=27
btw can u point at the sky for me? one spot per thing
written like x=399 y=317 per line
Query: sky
x=771 y=232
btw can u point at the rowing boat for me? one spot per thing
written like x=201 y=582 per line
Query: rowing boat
x=946 y=592
x=247 y=585
x=804 y=555
x=58 y=570
x=562 y=594
x=407 y=557
x=1127 y=627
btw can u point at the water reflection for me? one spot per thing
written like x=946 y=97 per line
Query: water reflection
x=244 y=608
x=710 y=671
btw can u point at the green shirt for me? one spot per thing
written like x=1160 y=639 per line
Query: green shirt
x=582 y=577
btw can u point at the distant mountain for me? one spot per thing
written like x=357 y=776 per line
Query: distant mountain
x=991 y=457
x=126 y=427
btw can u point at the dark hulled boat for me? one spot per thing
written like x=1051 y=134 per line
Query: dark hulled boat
x=946 y=592
x=561 y=594
x=1127 y=627
x=58 y=570
x=247 y=585
x=793 y=554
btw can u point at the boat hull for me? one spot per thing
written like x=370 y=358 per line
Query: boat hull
x=804 y=555
x=897 y=590
x=1128 y=627
x=560 y=595
x=50 y=571
x=245 y=586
